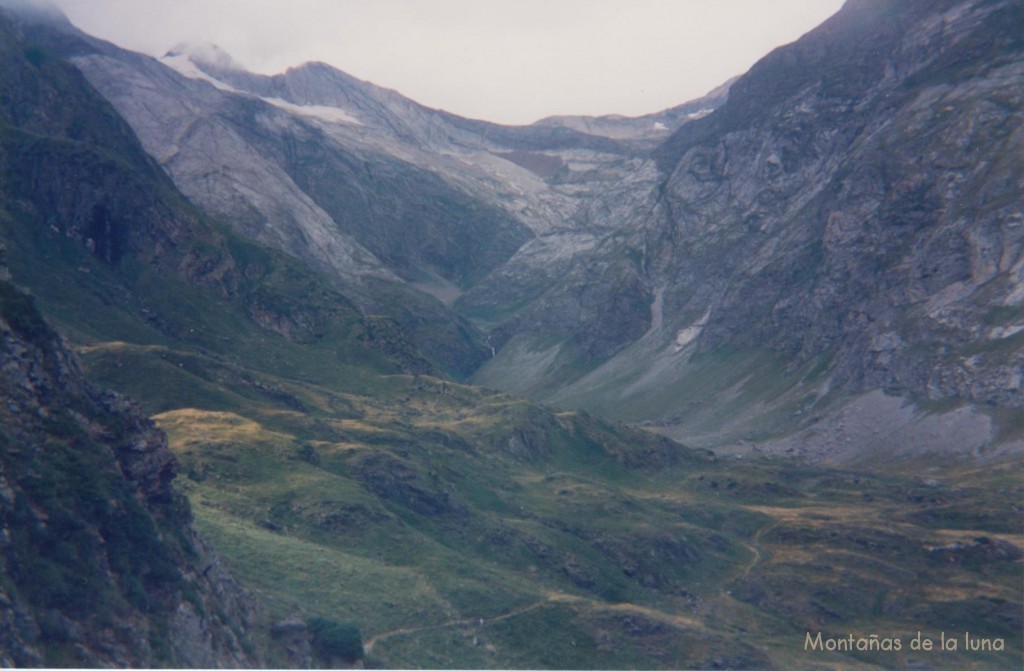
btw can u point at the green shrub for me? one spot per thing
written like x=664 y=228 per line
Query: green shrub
x=335 y=639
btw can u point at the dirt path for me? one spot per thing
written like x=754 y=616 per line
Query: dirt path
x=755 y=548
x=560 y=597
x=549 y=598
x=465 y=621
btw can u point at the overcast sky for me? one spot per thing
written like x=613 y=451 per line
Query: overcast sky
x=509 y=61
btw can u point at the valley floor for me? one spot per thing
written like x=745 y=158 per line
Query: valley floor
x=461 y=528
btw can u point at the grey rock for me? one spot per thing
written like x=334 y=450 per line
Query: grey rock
x=296 y=639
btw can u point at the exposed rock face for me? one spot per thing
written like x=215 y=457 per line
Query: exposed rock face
x=294 y=635
x=78 y=187
x=858 y=194
x=856 y=202
x=313 y=162
x=101 y=566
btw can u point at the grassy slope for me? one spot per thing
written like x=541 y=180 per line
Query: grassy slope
x=428 y=506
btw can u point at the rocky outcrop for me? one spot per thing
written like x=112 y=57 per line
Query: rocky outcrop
x=294 y=636
x=101 y=565
x=649 y=128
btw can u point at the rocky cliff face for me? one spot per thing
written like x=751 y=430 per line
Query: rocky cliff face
x=100 y=564
x=872 y=207
x=851 y=212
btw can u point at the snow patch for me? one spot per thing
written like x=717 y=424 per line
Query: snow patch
x=322 y=112
x=687 y=335
x=1005 y=331
x=183 y=65
x=660 y=126
x=700 y=113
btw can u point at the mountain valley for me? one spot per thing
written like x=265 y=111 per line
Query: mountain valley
x=675 y=391
x=596 y=269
